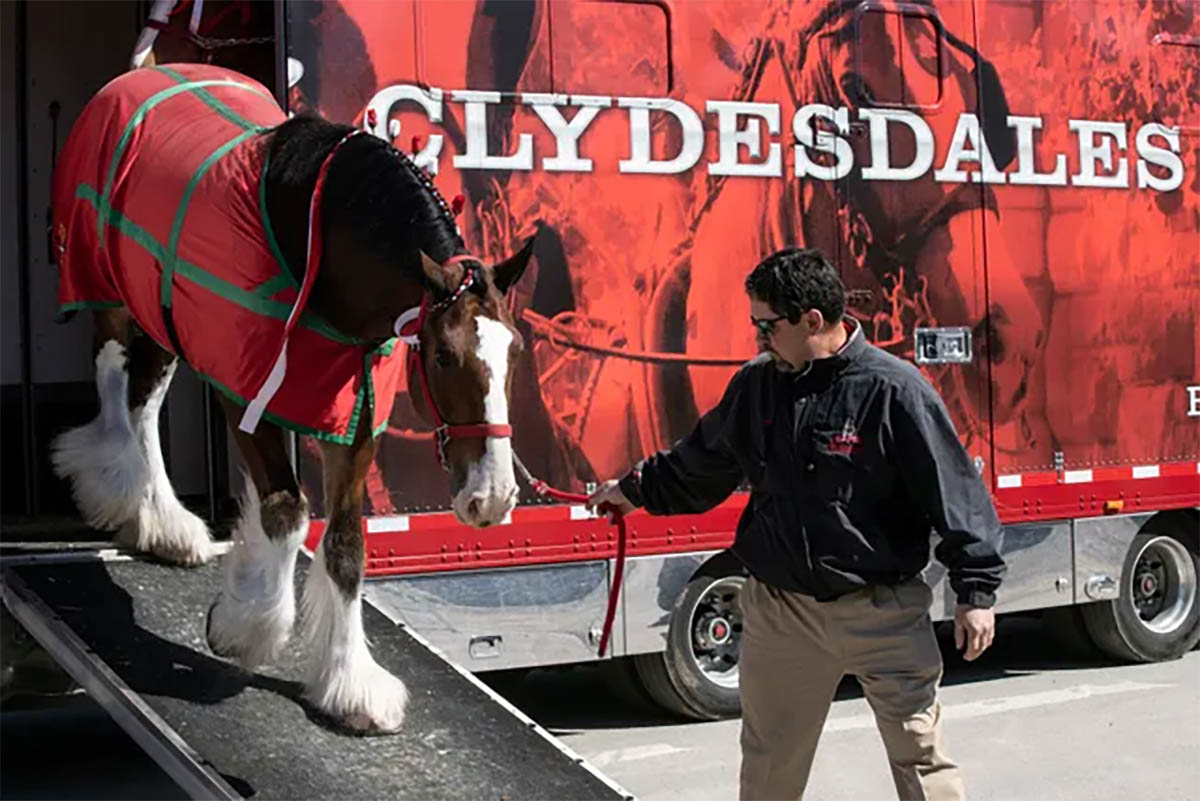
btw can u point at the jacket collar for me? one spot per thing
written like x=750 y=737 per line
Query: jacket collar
x=852 y=348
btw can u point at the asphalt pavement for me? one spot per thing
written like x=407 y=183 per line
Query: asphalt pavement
x=1037 y=717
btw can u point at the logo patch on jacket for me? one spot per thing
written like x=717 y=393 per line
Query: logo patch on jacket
x=845 y=441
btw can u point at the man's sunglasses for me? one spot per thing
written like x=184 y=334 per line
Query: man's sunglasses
x=766 y=325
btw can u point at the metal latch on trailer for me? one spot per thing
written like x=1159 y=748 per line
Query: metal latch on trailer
x=948 y=345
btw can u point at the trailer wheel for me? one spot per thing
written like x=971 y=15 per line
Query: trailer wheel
x=697 y=675
x=1157 y=615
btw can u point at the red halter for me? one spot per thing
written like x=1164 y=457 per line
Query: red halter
x=408 y=327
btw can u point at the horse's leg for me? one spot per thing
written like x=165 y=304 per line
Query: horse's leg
x=252 y=618
x=162 y=525
x=102 y=459
x=345 y=682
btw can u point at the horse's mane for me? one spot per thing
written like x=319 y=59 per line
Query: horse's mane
x=371 y=189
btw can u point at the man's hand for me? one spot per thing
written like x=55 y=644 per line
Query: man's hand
x=609 y=495
x=974 y=627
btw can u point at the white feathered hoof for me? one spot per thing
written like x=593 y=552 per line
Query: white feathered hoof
x=103 y=460
x=363 y=699
x=106 y=472
x=218 y=644
x=164 y=528
x=247 y=633
x=345 y=683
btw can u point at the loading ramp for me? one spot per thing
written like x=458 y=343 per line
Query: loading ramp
x=131 y=632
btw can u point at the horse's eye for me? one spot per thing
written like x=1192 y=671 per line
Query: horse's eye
x=443 y=358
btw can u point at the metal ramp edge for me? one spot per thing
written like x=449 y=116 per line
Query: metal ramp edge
x=503 y=702
x=196 y=774
x=146 y=727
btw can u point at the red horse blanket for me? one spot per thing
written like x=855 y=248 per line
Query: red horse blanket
x=159 y=205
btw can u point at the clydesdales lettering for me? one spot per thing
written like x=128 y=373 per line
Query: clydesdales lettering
x=1103 y=154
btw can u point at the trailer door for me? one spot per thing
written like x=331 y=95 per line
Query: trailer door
x=1092 y=267
x=909 y=225
x=55 y=57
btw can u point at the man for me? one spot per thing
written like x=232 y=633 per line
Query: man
x=852 y=460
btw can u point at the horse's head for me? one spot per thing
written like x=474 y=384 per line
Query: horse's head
x=468 y=346
x=381 y=216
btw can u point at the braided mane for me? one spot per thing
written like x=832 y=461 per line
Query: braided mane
x=372 y=189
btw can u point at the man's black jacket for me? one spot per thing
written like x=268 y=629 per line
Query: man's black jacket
x=851 y=464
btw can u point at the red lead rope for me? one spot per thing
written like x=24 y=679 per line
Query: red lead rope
x=408 y=328
x=545 y=490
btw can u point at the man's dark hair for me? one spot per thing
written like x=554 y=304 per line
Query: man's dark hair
x=794 y=280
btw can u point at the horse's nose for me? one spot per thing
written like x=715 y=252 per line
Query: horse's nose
x=480 y=511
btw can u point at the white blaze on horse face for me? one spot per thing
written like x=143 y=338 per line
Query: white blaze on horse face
x=491 y=488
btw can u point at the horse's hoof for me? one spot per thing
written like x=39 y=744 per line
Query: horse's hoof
x=247 y=634
x=191 y=556
x=362 y=698
x=177 y=537
x=208 y=635
x=368 y=725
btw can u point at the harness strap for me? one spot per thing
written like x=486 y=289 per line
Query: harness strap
x=197 y=34
x=145 y=42
x=467 y=280
x=254 y=410
x=408 y=328
x=480 y=430
x=197 y=12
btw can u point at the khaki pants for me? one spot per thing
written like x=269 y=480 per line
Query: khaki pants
x=794 y=653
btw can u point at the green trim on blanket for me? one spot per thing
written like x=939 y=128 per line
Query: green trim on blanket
x=212 y=102
x=385 y=350
x=240 y=297
x=273 y=286
x=169 y=264
x=257 y=300
x=314 y=323
x=285 y=278
x=274 y=419
x=269 y=229
x=90 y=304
x=234 y=294
x=137 y=119
x=369 y=386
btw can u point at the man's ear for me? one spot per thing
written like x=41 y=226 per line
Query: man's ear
x=815 y=320
x=508 y=272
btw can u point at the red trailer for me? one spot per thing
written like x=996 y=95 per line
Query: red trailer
x=1010 y=188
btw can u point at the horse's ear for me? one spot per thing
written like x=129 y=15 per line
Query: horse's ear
x=435 y=275
x=508 y=272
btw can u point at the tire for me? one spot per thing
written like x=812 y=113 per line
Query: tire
x=696 y=676
x=1157 y=615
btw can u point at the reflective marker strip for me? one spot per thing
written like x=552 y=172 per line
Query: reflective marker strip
x=1092 y=475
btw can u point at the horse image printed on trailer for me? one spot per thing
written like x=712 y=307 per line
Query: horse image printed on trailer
x=159 y=205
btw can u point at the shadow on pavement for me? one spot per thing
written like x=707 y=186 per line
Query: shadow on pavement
x=578 y=698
